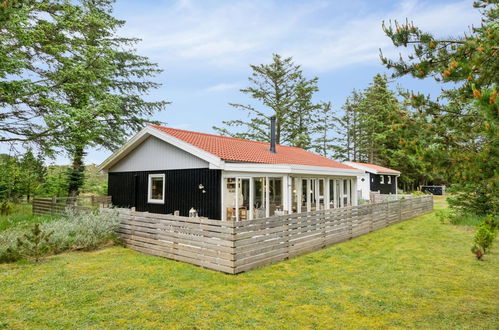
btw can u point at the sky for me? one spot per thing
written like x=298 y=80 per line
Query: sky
x=205 y=48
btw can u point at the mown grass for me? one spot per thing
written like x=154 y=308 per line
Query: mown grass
x=22 y=216
x=417 y=274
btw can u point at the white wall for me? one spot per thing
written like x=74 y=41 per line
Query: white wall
x=364 y=187
x=155 y=154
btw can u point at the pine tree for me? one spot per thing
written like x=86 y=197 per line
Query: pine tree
x=349 y=129
x=30 y=40
x=377 y=128
x=325 y=129
x=284 y=93
x=33 y=174
x=467 y=123
x=101 y=82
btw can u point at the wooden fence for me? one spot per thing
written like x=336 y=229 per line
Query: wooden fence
x=58 y=205
x=234 y=247
x=376 y=197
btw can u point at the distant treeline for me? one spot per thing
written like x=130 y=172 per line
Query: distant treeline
x=25 y=176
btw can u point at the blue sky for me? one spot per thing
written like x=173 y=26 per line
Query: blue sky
x=205 y=48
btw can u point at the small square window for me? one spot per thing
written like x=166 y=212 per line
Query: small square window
x=382 y=179
x=389 y=180
x=156 y=189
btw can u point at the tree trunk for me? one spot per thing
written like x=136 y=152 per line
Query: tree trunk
x=76 y=173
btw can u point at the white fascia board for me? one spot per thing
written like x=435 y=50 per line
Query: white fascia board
x=289 y=169
x=389 y=173
x=371 y=170
x=214 y=161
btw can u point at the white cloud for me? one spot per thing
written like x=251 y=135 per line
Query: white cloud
x=222 y=87
x=232 y=35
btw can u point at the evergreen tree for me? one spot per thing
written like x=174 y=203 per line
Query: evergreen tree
x=468 y=147
x=376 y=128
x=30 y=39
x=101 y=82
x=33 y=174
x=284 y=93
x=326 y=126
x=349 y=129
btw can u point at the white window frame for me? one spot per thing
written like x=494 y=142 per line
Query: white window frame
x=389 y=179
x=382 y=179
x=149 y=186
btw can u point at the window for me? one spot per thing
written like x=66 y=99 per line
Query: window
x=389 y=180
x=381 y=179
x=156 y=189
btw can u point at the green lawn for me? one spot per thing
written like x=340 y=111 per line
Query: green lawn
x=418 y=273
x=22 y=216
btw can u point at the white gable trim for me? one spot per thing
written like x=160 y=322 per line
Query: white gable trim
x=371 y=170
x=214 y=161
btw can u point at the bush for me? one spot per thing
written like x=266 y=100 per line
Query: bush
x=480 y=198
x=484 y=237
x=459 y=219
x=34 y=244
x=6 y=207
x=74 y=231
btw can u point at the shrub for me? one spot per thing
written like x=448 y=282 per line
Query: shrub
x=484 y=237
x=442 y=215
x=34 y=244
x=84 y=231
x=6 y=207
x=480 y=198
x=459 y=219
x=465 y=219
x=74 y=231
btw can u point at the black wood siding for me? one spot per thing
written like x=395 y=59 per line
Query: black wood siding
x=182 y=191
x=384 y=188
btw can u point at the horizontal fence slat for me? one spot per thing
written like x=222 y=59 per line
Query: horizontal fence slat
x=237 y=246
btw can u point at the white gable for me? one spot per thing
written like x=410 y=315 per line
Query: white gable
x=155 y=154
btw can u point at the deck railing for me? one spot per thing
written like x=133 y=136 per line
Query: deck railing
x=237 y=246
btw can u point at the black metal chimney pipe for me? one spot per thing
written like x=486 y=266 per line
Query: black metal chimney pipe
x=272 y=134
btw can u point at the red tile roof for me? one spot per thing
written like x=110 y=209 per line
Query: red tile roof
x=377 y=167
x=247 y=151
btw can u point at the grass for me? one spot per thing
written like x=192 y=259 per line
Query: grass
x=22 y=216
x=446 y=216
x=415 y=274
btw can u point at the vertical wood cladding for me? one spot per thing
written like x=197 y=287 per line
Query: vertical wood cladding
x=384 y=188
x=182 y=191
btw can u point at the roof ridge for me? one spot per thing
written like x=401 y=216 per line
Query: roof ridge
x=221 y=136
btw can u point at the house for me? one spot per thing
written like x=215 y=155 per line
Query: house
x=375 y=179
x=164 y=170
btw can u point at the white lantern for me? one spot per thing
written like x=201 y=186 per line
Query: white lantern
x=193 y=213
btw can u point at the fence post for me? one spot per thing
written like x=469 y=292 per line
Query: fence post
x=323 y=227
x=132 y=218
x=371 y=217
x=350 y=220
x=52 y=205
x=400 y=210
